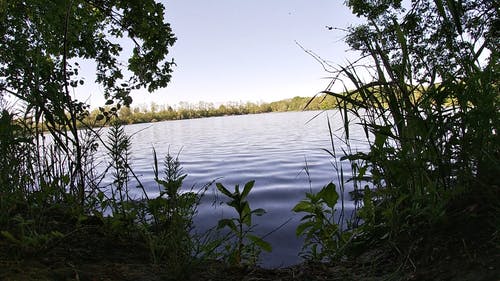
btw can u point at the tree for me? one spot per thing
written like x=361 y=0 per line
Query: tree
x=430 y=110
x=437 y=54
x=42 y=42
x=433 y=36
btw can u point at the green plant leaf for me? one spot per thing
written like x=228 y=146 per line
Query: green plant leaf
x=56 y=234
x=247 y=188
x=402 y=42
x=303 y=206
x=246 y=214
x=155 y=164
x=259 y=212
x=381 y=137
x=9 y=236
x=100 y=196
x=260 y=243
x=162 y=183
x=303 y=226
x=224 y=190
x=227 y=223
x=65 y=179
x=306 y=217
x=234 y=204
x=99 y=117
x=329 y=195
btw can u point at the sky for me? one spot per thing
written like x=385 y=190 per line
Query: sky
x=230 y=50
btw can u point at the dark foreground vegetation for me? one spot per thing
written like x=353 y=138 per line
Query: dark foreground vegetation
x=427 y=191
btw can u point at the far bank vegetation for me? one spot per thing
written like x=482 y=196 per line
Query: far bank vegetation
x=159 y=112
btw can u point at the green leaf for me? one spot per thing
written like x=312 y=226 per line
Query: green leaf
x=404 y=47
x=246 y=214
x=260 y=243
x=227 y=223
x=329 y=195
x=224 y=190
x=65 y=179
x=100 y=196
x=381 y=137
x=456 y=13
x=306 y=217
x=247 y=188
x=303 y=206
x=162 y=183
x=313 y=198
x=362 y=172
x=303 y=226
x=9 y=236
x=259 y=212
x=235 y=205
x=99 y=117
x=155 y=164
x=56 y=234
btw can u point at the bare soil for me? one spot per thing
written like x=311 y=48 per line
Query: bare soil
x=90 y=255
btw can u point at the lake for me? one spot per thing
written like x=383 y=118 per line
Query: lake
x=270 y=148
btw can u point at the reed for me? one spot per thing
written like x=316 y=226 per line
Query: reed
x=431 y=126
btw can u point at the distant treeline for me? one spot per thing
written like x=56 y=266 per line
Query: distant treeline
x=184 y=110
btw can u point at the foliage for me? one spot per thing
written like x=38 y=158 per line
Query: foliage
x=247 y=245
x=34 y=222
x=45 y=40
x=163 y=222
x=49 y=186
x=42 y=44
x=168 y=231
x=15 y=141
x=25 y=239
x=119 y=153
x=34 y=199
x=324 y=238
x=430 y=113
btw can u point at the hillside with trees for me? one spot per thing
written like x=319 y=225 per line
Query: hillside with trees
x=185 y=110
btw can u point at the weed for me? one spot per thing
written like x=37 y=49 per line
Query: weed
x=167 y=231
x=119 y=152
x=248 y=245
x=324 y=238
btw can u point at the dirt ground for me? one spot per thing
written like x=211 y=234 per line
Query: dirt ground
x=93 y=257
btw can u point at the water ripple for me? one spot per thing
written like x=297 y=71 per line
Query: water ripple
x=272 y=149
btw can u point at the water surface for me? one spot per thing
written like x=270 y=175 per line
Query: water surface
x=273 y=149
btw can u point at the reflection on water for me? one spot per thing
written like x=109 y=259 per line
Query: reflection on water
x=271 y=148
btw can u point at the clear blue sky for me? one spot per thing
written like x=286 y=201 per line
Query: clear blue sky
x=230 y=50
